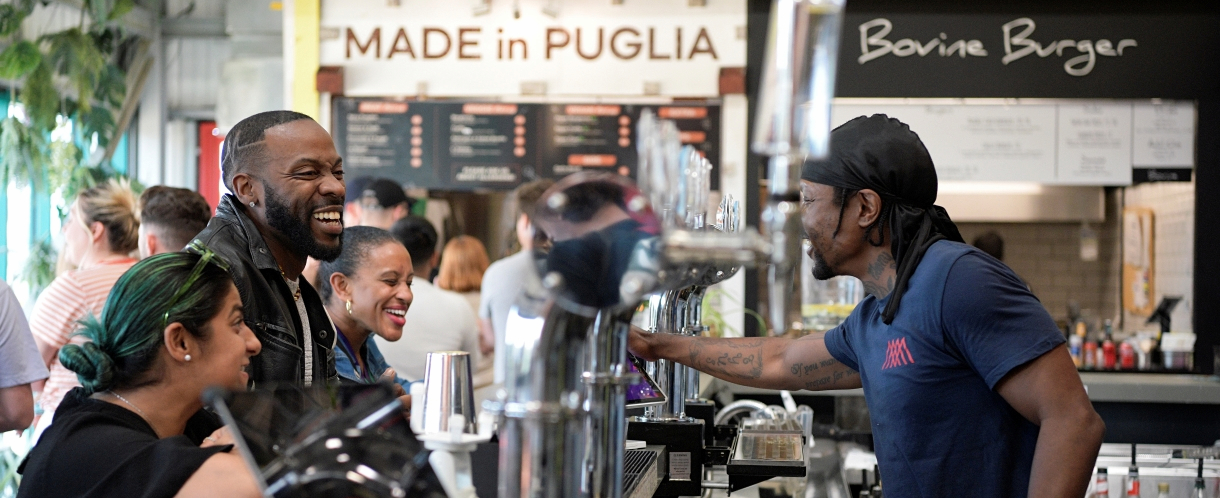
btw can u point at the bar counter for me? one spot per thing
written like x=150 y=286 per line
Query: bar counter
x=1102 y=387
x=1181 y=409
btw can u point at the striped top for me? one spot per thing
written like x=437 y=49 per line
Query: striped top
x=69 y=299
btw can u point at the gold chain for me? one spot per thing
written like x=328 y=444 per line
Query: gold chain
x=296 y=296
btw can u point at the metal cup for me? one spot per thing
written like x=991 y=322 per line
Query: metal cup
x=448 y=391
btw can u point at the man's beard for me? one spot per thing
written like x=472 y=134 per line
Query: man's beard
x=298 y=231
x=821 y=269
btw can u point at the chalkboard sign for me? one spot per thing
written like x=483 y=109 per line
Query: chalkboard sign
x=493 y=145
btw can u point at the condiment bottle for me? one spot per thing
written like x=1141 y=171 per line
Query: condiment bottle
x=1075 y=343
x=1109 y=354
x=1133 y=472
x=1090 y=355
x=1126 y=356
x=1102 y=489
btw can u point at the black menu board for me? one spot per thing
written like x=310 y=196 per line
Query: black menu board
x=390 y=139
x=485 y=145
x=492 y=145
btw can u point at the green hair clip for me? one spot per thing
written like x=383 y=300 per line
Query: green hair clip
x=207 y=256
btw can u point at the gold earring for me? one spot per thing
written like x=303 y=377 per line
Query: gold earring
x=349 y=306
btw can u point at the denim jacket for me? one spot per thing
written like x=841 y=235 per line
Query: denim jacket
x=346 y=365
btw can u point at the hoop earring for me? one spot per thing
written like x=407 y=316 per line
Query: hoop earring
x=349 y=306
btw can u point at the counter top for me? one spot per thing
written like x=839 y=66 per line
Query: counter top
x=1103 y=387
x=1152 y=388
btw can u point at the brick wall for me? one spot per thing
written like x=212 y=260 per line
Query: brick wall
x=1047 y=257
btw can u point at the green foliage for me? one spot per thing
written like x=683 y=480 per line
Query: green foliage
x=73 y=54
x=39 y=270
x=40 y=98
x=76 y=74
x=108 y=10
x=25 y=153
x=19 y=59
x=713 y=316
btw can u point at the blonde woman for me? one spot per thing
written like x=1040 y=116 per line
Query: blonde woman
x=100 y=234
x=463 y=262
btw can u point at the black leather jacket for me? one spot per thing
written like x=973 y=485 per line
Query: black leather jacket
x=269 y=307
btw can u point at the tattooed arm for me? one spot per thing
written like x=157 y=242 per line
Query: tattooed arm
x=766 y=362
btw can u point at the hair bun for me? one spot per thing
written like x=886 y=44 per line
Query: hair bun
x=93 y=366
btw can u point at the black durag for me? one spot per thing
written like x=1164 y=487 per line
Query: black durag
x=882 y=154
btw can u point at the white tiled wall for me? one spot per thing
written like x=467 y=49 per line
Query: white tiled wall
x=1173 y=206
x=1047 y=257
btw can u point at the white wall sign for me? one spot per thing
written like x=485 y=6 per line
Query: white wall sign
x=1094 y=144
x=589 y=47
x=977 y=142
x=1164 y=135
x=1069 y=142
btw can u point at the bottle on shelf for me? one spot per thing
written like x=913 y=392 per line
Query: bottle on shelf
x=875 y=490
x=1200 y=485
x=1109 y=351
x=1076 y=343
x=1126 y=356
x=1102 y=488
x=1090 y=355
x=1133 y=475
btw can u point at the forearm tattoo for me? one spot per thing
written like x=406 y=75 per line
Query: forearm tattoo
x=740 y=359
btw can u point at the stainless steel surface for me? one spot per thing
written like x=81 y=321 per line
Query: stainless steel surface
x=1114 y=387
x=607 y=420
x=1152 y=388
x=563 y=414
x=562 y=424
x=968 y=202
x=448 y=391
x=748 y=407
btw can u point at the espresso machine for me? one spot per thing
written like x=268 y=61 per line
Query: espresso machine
x=614 y=243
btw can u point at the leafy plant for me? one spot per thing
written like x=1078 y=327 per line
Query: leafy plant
x=74 y=75
x=713 y=316
x=39 y=270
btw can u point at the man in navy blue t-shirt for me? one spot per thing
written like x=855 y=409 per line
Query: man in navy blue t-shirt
x=970 y=389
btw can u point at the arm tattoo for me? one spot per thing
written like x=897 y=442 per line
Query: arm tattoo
x=738 y=359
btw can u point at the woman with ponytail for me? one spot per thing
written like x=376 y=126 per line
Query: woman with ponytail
x=172 y=327
x=100 y=233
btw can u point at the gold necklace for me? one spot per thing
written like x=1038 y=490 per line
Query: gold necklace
x=296 y=296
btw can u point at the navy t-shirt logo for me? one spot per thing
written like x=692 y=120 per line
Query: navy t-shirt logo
x=897 y=354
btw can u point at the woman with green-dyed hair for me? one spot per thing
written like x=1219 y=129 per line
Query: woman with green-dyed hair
x=172 y=328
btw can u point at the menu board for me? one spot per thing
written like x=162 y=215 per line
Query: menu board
x=1094 y=144
x=1164 y=135
x=976 y=142
x=1079 y=142
x=484 y=144
x=491 y=145
x=386 y=139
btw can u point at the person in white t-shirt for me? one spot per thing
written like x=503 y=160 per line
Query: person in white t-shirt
x=438 y=320
x=504 y=280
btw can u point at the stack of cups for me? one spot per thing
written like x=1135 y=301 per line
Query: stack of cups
x=447 y=391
